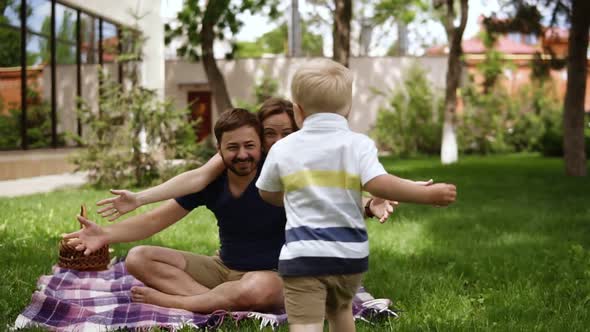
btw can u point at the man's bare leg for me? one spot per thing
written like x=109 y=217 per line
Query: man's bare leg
x=162 y=269
x=260 y=290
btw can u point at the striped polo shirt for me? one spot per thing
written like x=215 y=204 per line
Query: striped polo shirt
x=321 y=169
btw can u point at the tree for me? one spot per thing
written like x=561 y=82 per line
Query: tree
x=403 y=13
x=201 y=27
x=341 y=31
x=341 y=19
x=276 y=40
x=449 y=149
x=577 y=67
x=527 y=19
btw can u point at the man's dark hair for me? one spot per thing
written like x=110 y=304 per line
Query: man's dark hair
x=233 y=119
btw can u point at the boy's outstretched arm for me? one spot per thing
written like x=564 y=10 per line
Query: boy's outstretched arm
x=382 y=208
x=393 y=188
x=180 y=185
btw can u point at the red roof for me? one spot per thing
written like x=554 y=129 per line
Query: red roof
x=475 y=46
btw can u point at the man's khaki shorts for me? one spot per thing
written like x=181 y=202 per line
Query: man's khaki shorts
x=209 y=271
x=309 y=299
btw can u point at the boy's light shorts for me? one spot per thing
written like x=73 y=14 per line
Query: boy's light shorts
x=209 y=271
x=309 y=299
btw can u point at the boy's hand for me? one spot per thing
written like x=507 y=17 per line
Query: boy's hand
x=382 y=208
x=89 y=239
x=442 y=194
x=115 y=207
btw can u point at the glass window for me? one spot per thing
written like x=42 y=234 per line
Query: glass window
x=89 y=38
x=65 y=23
x=10 y=89
x=38 y=71
x=38 y=50
x=39 y=19
x=11 y=14
x=10 y=49
x=66 y=88
x=531 y=39
x=38 y=92
x=110 y=42
x=515 y=37
x=65 y=53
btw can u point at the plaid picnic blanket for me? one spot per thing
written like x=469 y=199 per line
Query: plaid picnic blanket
x=70 y=300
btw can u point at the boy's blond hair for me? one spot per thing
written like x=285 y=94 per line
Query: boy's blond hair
x=322 y=85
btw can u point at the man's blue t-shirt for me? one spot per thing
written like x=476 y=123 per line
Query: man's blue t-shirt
x=251 y=231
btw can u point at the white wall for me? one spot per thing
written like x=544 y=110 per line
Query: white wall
x=381 y=73
x=152 y=68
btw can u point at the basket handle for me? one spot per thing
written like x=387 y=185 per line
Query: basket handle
x=83 y=213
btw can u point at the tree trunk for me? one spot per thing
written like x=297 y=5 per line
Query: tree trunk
x=449 y=150
x=214 y=76
x=573 y=115
x=341 y=31
x=294 y=31
x=402 y=38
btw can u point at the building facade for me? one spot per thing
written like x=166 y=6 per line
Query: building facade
x=374 y=77
x=50 y=55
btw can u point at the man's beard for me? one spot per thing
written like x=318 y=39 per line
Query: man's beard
x=231 y=165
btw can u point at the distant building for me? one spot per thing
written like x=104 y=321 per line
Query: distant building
x=520 y=49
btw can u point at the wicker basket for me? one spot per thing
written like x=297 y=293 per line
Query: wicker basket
x=70 y=258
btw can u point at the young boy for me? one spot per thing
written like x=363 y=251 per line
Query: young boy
x=319 y=173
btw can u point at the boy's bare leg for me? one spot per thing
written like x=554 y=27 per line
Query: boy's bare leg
x=341 y=320
x=260 y=290
x=316 y=327
x=162 y=269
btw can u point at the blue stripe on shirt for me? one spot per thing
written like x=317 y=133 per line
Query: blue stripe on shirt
x=340 y=234
x=315 y=266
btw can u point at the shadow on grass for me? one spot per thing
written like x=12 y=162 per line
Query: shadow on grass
x=511 y=254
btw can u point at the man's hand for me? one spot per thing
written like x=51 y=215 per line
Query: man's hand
x=89 y=239
x=382 y=208
x=442 y=194
x=115 y=207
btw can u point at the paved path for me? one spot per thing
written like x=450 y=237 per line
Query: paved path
x=41 y=184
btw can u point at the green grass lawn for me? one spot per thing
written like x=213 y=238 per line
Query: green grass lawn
x=513 y=254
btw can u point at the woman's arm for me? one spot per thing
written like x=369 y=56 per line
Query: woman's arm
x=180 y=185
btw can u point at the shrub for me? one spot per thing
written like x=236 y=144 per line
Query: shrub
x=500 y=122
x=483 y=124
x=115 y=154
x=412 y=122
x=38 y=124
x=551 y=144
x=526 y=125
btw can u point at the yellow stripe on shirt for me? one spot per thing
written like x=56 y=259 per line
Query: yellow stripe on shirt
x=334 y=179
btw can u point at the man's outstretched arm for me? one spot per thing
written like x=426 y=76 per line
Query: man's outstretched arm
x=92 y=236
